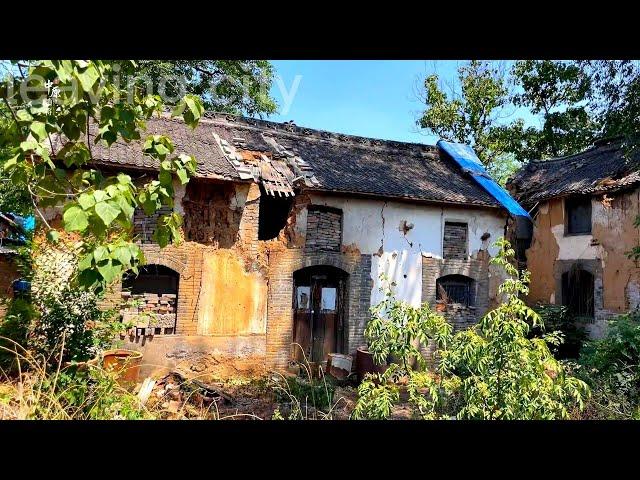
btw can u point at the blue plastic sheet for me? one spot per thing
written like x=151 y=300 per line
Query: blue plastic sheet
x=464 y=156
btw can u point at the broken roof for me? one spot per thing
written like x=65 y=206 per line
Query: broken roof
x=607 y=167
x=283 y=155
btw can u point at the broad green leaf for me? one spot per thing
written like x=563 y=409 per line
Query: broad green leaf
x=75 y=219
x=100 y=253
x=123 y=255
x=24 y=115
x=86 y=201
x=109 y=271
x=12 y=162
x=86 y=261
x=182 y=175
x=100 y=196
x=53 y=236
x=88 y=77
x=107 y=211
x=39 y=130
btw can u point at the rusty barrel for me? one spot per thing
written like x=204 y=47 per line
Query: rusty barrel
x=125 y=362
x=365 y=363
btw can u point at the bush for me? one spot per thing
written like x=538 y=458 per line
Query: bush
x=73 y=325
x=611 y=366
x=558 y=318
x=14 y=327
x=70 y=323
x=490 y=371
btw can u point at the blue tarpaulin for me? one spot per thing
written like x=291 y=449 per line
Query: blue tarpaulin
x=464 y=156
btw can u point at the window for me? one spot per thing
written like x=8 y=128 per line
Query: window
x=456 y=289
x=328 y=303
x=578 y=215
x=303 y=296
x=273 y=214
x=454 y=241
x=577 y=292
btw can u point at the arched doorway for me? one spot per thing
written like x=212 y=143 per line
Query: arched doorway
x=153 y=299
x=319 y=312
x=577 y=292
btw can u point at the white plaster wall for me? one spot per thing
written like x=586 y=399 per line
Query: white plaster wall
x=573 y=247
x=373 y=226
x=576 y=247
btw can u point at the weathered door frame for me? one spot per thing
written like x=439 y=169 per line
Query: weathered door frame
x=305 y=328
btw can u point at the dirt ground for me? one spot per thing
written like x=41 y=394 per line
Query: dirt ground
x=213 y=386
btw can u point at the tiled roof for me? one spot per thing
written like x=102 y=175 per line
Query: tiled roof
x=199 y=143
x=238 y=148
x=609 y=166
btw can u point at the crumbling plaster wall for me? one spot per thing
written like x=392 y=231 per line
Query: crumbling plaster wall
x=222 y=291
x=617 y=277
x=374 y=227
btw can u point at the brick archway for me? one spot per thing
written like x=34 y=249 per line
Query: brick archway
x=280 y=298
x=170 y=257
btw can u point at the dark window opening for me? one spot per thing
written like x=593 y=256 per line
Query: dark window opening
x=156 y=279
x=274 y=212
x=578 y=215
x=456 y=289
x=577 y=292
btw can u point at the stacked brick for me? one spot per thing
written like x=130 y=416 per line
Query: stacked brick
x=324 y=230
x=454 y=243
x=155 y=313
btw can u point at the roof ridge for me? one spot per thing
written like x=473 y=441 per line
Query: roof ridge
x=612 y=145
x=290 y=128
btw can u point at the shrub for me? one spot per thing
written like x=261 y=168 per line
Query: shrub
x=70 y=321
x=611 y=366
x=490 y=371
x=397 y=330
x=14 y=327
x=558 y=318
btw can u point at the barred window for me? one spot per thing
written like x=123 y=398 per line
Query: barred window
x=456 y=289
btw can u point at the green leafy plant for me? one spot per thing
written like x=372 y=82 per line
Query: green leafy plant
x=557 y=318
x=611 y=366
x=490 y=371
x=48 y=152
x=503 y=373
x=397 y=331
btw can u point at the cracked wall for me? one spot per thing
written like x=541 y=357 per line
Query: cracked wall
x=396 y=234
x=617 y=277
x=222 y=289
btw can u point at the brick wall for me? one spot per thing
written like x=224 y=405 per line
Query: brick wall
x=454 y=242
x=324 y=229
x=145 y=225
x=216 y=215
x=477 y=270
x=282 y=265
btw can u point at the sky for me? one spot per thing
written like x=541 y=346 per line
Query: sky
x=372 y=98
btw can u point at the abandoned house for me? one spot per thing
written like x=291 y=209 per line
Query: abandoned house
x=584 y=207
x=287 y=232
